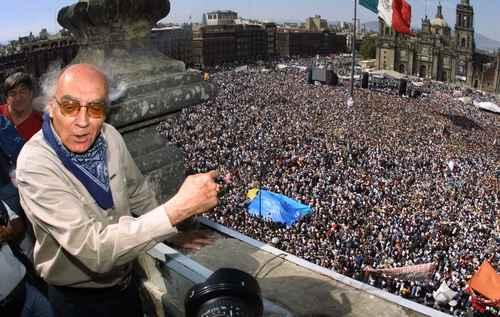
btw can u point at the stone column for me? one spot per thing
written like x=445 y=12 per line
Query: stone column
x=149 y=86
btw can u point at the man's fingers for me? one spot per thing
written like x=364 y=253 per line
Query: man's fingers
x=205 y=234
x=204 y=241
x=191 y=246
x=214 y=187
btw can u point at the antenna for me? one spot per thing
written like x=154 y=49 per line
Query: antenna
x=426 y=4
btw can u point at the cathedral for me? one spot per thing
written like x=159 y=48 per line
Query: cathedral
x=438 y=53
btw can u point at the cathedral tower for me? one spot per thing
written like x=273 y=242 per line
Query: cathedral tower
x=464 y=27
x=464 y=36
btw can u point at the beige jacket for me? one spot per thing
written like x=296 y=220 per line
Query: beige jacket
x=77 y=243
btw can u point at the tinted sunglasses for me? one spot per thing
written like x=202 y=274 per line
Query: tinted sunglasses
x=71 y=108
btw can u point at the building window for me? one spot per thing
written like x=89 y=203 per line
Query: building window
x=402 y=69
x=423 y=71
x=461 y=66
x=463 y=42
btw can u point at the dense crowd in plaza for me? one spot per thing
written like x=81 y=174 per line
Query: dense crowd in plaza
x=392 y=181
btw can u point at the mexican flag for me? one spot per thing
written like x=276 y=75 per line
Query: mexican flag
x=396 y=13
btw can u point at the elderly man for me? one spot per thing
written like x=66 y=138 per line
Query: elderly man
x=79 y=187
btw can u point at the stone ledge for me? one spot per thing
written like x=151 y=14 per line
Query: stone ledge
x=162 y=102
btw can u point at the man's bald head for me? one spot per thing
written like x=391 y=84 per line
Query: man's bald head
x=82 y=73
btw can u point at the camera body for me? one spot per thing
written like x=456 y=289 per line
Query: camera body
x=227 y=292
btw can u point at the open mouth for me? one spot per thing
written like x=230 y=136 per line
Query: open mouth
x=81 y=138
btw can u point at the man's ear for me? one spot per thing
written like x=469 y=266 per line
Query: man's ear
x=51 y=107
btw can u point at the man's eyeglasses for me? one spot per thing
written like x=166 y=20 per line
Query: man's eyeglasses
x=71 y=108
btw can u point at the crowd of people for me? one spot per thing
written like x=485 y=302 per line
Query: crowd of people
x=392 y=181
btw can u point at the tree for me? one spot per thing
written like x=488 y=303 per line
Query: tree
x=369 y=47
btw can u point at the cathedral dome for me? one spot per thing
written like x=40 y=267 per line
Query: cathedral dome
x=439 y=22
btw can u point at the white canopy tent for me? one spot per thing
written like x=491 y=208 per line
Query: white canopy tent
x=487 y=106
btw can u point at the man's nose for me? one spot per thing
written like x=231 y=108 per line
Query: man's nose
x=82 y=119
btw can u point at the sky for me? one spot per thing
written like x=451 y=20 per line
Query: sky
x=18 y=18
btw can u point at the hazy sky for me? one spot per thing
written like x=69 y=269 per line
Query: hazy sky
x=18 y=18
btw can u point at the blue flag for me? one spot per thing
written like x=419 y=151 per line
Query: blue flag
x=278 y=208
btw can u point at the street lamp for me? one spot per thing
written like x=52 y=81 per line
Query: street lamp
x=353 y=46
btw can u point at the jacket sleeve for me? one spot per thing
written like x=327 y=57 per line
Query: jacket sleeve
x=141 y=196
x=51 y=204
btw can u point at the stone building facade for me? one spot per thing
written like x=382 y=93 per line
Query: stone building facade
x=303 y=43
x=218 y=44
x=174 y=41
x=34 y=56
x=438 y=53
x=271 y=29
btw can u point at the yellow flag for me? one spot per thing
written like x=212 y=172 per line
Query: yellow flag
x=252 y=193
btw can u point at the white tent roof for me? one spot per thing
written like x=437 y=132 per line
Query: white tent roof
x=388 y=73
x=488 y=106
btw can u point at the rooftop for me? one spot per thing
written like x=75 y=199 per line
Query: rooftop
x=222 y=12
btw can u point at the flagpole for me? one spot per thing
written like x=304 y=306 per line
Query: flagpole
x=354 y=46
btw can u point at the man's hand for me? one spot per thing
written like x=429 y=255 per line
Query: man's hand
x=197 y=194
x=4 y=234
x=14 y=231
x=192 y=239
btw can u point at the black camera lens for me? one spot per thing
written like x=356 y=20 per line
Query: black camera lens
x=227 y=292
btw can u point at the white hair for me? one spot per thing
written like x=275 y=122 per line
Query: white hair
x=48 y=82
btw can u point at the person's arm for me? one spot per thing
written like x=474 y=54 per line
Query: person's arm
x=51 y=204
x=142 y=199
x=197 y=194
x=4 y=169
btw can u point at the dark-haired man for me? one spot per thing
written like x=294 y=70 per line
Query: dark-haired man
x=18 y=123
x=18 y=110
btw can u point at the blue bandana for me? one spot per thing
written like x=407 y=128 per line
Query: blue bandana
x=90 y=167
x=11 y=142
